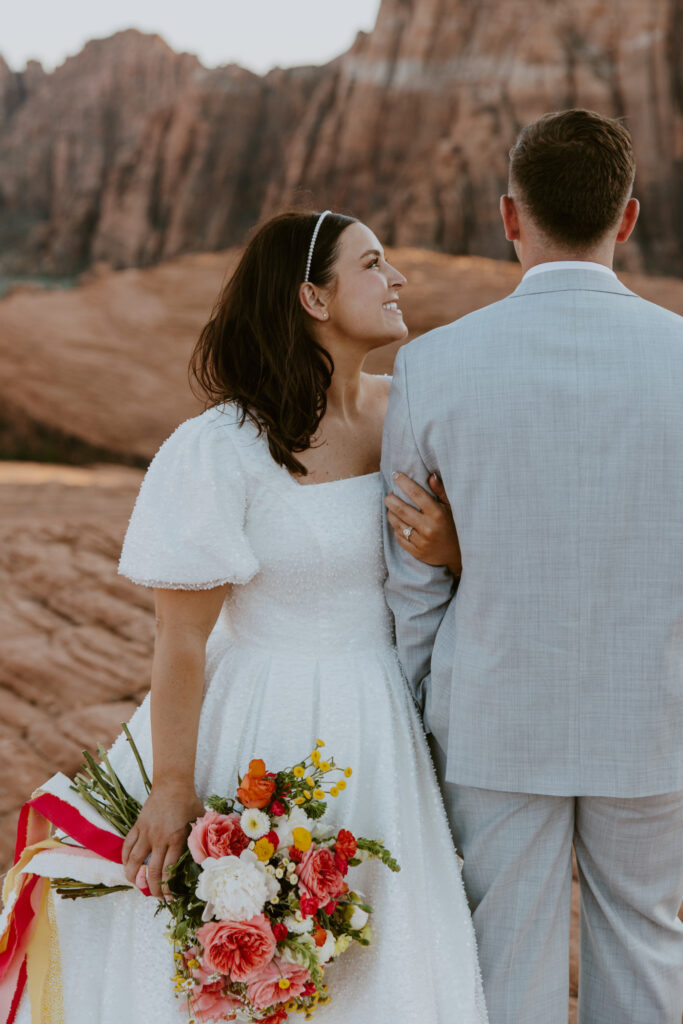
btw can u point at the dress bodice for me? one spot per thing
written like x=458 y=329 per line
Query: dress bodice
x=320 y=583
x=306 y=560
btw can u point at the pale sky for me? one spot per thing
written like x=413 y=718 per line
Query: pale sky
x=258 y=34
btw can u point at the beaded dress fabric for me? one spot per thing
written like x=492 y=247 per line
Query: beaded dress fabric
x=303 y=648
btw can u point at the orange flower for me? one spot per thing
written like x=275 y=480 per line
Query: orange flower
x=346 y=843
x=319 y=935
x=256 y=789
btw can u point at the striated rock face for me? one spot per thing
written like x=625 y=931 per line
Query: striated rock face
x=130 y=153
x=412 y=130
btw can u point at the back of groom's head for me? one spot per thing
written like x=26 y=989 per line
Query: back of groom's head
x=573 y=172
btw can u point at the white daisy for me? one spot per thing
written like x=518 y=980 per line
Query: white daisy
x=254 y=823
x=298 y=927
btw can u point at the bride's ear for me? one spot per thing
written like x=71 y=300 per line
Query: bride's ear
x=312 y=301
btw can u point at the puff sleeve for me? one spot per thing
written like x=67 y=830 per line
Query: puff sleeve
x=187 y=529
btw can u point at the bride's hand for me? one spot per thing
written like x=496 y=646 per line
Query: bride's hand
x=160 y=834
x=427 y=532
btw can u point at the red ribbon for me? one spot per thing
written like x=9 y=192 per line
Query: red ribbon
x=35 y=818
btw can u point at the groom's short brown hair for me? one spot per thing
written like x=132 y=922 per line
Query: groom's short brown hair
x=573 y=171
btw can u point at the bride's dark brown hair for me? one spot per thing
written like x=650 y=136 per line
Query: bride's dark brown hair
x=258 y=350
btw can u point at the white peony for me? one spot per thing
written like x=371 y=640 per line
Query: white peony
x=235 y=888
x=254 y=823
x=298 y=927
x=358 y=918
x=326 y=951
x=286 y=825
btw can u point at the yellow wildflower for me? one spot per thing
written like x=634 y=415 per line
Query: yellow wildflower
x=341 y=784
x=348 y=772
x=315 y=757
x=325 y=766
x=321 y=743
x=302 y=839
x=307 y=794
x=299 y=800
x=319 y=794
x=334 y=791
x=309 y=781
x=299 y=772
x=264 y=849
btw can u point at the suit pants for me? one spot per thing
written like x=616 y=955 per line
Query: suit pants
x=518 y=875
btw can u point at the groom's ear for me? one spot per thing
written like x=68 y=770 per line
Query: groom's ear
x=508 y=212
x=628 y=220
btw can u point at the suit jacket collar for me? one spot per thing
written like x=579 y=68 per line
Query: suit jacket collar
x=570 y=281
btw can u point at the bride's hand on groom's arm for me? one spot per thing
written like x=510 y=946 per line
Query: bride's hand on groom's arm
x=427 y=531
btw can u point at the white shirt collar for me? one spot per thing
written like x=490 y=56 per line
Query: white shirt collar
x=568 y=265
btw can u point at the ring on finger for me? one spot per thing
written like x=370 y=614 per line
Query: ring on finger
x=407 y=532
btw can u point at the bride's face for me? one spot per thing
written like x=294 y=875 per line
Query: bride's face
x=363 y=303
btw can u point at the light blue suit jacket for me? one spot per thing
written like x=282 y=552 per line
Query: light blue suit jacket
x=555 y=419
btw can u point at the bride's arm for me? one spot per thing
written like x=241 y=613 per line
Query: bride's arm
x=432 y=536
x=184 y=620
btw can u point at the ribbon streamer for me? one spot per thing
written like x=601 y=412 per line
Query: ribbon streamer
x=29 y=943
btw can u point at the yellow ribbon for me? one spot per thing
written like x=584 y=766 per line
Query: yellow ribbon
x=43 y=962
x=44 y=965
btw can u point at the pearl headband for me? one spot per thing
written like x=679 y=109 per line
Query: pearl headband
x=316 y=229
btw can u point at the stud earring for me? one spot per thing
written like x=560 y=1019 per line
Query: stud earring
x=325 y=316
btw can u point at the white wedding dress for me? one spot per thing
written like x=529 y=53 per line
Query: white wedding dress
x=303 y=649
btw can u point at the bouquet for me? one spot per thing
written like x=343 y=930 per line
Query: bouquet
x=260 y=902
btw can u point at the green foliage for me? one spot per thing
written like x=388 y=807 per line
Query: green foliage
x=315 y=808
x=220 y=804
x=378 y=851
x=70 y=889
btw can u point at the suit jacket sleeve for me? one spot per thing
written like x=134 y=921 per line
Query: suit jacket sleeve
x=417 y=594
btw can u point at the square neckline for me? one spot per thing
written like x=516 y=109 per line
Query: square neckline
x=338 y=480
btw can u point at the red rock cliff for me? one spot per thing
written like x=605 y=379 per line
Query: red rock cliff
x=131 y=153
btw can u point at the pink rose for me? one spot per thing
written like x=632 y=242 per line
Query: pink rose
x=216 y=835
x=237 y=948
x=264 y=989
x=320 y=875
x=211 y=1003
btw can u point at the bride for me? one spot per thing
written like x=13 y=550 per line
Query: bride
x=259 y=527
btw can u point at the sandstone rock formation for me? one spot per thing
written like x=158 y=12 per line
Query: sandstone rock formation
x=131 y=153
x=100 y=371
x=413 y=127
x=77 y=638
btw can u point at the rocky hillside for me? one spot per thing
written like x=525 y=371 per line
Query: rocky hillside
x=131 y=153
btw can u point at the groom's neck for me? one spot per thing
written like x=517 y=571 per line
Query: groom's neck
x=532 y=255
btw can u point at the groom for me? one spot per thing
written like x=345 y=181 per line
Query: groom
x=552 y=678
